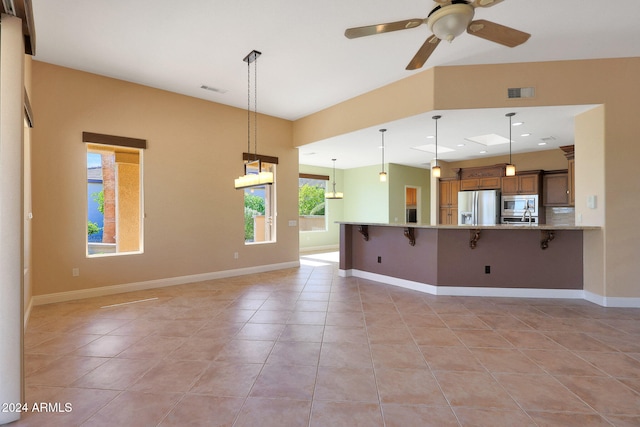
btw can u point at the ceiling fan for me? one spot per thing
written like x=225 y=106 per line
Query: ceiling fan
x=447 y=21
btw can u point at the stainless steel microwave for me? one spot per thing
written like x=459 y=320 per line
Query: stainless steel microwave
x=511 y=206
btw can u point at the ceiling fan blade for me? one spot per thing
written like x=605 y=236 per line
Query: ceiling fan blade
x=497 y=33
x=423 y=53
x=486 y=3
x=370 y=30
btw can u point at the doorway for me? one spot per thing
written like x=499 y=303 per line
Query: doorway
x=412 y=197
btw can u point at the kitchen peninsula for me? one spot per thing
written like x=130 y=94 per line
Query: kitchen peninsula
x=501 y=260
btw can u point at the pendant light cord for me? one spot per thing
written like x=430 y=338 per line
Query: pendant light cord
x=436 y=119
x=510 y=140
x=255 y=104
x=255 y=107
x=248 y=107
x=382 y=151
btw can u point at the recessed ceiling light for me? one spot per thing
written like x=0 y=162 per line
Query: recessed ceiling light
x=430 y=137
x=461 y=145
x=517 y=124
x=526 y=134
x=542 y=143
x=483 y=152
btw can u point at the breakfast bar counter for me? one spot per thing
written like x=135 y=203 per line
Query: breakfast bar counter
x=500 y=260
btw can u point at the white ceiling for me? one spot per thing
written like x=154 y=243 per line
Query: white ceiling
x=307 y=64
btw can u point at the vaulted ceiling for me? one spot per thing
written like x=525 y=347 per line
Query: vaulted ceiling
x=307 y=63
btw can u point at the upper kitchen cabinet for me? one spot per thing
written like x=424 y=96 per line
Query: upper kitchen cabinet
x=490 y=183
x=411 y=196
x=523 y=183
x=569 y=151
x=481 y=178
x=556 y=189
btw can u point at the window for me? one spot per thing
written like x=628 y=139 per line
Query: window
x=114 y=195
x=311 y=202
x=259 y=207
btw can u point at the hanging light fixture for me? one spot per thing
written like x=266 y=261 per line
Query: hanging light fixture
x=253 y=176
x=435 y=170
x=383 y=174
x=510 y=168
x=333 y=194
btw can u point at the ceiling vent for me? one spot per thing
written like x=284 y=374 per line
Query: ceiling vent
x=520 y=92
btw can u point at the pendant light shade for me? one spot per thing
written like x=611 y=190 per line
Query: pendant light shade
x=333 y=194
x=253 y=176
x=383 y=174
x=510 y=169
x=435 y=169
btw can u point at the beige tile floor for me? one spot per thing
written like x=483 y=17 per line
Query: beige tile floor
x=304 y=347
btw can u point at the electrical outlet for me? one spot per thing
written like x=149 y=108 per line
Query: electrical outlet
x=487 y=269
x=235 y=255
x=379 y=260
x=75 y=272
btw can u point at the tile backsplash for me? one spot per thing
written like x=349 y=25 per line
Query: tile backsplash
x=561 y=215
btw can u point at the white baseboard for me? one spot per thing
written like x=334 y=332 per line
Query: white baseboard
x=619 y=302
x=470 y=291
x=327 y=248
x=159 y=283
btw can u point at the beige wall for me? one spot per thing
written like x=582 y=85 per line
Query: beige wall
x=609 y=82
x=194 y=216
x=11 y=213
x=391 y=102
x=28 y=291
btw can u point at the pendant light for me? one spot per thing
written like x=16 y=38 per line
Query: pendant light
x=511 y=168
x=435 y=170
x=333 y=194
x=253 y=176
x=383 y=174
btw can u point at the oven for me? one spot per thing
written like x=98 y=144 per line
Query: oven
x=517 y=206
x=519 y=220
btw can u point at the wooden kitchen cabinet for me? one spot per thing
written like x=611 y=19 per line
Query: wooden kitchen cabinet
x=449 y=201
x=569 y=153
x=488 y=183
x=411 y=196
x=448 y=216
x=521 y=184
x=571 y=180
x=556 y=189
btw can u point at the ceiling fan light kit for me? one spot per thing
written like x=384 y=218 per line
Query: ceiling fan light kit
x=447 y=23
x=448 y=20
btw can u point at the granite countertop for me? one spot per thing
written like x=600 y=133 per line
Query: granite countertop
x=477 y=227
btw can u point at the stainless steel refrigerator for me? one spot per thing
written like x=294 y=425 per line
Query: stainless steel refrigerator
x=479 y=207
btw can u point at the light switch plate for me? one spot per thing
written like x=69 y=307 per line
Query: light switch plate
x=293 y=223
x=591 y=201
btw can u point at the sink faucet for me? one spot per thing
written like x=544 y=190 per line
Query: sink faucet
x=524 y=215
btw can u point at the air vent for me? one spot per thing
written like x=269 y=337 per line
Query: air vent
x=521 y=92
x=213 y=89
x=548 y=138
